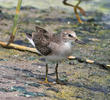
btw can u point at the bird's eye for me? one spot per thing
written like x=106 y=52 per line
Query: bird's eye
x=70 y=35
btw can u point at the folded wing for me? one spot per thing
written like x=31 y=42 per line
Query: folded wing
x=41 y=39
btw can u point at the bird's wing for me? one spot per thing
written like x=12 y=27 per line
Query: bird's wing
x=41 y=39
x=54 y=47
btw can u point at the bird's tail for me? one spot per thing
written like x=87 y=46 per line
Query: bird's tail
x=29 y=37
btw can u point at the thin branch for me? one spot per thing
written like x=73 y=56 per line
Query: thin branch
x=77 y=15
x=67 y=4
x=82 y=11
x=18 y=47
x=78 y=3
x=75 y=9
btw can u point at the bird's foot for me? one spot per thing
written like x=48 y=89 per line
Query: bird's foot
x=46 y=82
x=60 y=82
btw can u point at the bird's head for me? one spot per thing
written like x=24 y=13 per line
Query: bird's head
x=71 y=36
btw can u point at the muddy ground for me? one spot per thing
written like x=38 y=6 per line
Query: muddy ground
x=21 y=73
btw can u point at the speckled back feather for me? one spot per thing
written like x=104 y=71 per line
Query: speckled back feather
x=42 y=40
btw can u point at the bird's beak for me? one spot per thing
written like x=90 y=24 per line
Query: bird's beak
x=79 y=41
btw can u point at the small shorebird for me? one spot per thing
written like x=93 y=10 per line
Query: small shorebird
x=54 y=47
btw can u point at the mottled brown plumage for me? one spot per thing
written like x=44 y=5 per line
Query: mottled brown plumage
x=42 y=39
x=54 y=47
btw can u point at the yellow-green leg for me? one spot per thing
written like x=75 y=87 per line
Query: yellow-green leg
x=57 y=79
x=56 y=71
x=46 y=79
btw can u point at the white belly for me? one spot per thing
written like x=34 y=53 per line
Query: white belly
x=54 y=58
x=65 y=50
x=61 y=53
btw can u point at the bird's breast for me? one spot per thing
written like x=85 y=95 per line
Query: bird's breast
x=65 y=49
x=62 y=51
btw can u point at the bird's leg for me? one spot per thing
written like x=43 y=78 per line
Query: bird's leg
x=56 y=71
x=57 y=79
x=46 y=79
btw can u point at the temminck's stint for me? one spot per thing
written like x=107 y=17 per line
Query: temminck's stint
x=54 y=47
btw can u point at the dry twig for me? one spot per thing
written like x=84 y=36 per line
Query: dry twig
x=75 y=9
x=18 y=47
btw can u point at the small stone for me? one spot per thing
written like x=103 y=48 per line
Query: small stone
x=31 y=58
x=71 y=63
x=53 y=89
x=4 y=90
x=32 y=94
x=18 y=88
x=3 y=59
x=68 y=22
x=33 y=84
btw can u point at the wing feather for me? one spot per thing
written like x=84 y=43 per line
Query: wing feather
x=42 y=39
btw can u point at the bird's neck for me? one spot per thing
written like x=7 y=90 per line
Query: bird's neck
x=68 y=43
